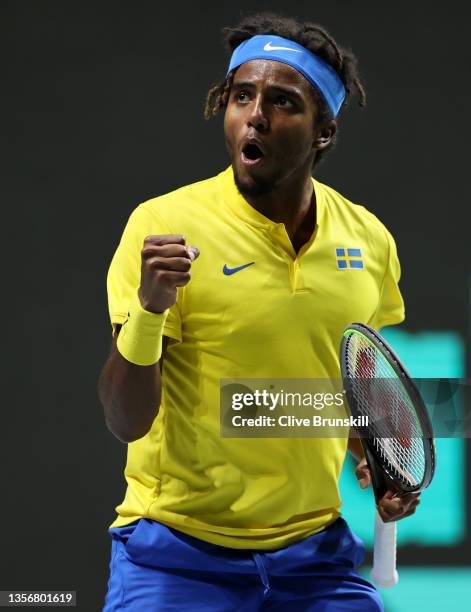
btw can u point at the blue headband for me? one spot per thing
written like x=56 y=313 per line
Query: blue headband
x=322 y=76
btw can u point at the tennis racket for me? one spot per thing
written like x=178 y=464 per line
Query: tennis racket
x=397 y=436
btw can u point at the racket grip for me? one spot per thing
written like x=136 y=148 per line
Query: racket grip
x=384 y=573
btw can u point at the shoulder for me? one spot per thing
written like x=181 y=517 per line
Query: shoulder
x=182 y=199
x=185 y=210
x=166 y=213
x=356 y=216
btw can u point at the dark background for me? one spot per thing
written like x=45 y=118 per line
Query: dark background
x=102 y=109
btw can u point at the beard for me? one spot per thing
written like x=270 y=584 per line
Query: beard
x=255 y=187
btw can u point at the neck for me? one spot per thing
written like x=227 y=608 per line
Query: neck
x=293 y=203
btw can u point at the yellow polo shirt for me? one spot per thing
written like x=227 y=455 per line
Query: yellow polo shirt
x=282 y=316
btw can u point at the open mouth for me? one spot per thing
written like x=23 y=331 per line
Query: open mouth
x=251 y=154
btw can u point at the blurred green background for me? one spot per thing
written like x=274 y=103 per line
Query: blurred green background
x=438 y=528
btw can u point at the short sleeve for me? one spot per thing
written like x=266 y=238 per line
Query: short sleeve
x=124 y=273
x=390 y=310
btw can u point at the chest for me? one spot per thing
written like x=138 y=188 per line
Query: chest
x=253 y=285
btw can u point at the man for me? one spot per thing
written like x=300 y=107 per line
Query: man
x=223 y=524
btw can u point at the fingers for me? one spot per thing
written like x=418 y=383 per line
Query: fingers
x=175 y=279
x=162 y=239
x=166 y=264
x=168 y=250
x=176 y=264
x=363 y=475
x=393 y=507
x=194 y=252
x=160 y=246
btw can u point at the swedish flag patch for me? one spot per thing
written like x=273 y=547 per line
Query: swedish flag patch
x=349 y=258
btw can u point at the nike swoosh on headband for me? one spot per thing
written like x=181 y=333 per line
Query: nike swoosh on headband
x=268 y=47
x=317 y=71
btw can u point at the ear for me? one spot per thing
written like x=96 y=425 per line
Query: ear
x=324 y=135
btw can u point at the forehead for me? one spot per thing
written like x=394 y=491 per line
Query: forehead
x=272 y=73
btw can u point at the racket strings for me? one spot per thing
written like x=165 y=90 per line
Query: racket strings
x=408 y=467
x=393 y=423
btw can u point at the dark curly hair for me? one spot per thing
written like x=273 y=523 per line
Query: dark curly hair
x=310 y=35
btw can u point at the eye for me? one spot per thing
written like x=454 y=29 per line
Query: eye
x=283 y=101
x=242 y=96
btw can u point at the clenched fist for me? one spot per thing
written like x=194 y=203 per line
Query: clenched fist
x=391 y=507
x=165 y=265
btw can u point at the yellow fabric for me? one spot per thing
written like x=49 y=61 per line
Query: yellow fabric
x=140 y=339
x=281 y=317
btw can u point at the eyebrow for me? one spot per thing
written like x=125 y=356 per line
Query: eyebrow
x=290 y=91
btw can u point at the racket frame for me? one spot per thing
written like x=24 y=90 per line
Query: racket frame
x=380 y=473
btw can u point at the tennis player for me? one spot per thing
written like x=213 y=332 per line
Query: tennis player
x=252 y=273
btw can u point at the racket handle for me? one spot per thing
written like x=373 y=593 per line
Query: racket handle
x=384 y=573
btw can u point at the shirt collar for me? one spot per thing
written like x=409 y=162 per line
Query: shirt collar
x=240 y=207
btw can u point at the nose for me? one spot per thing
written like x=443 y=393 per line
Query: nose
x=257 y=117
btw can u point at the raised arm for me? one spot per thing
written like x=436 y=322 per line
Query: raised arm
x=129 y=388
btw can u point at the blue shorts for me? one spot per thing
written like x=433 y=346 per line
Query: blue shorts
x=156 y=568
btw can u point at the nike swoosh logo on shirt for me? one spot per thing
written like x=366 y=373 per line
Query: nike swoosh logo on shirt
x=268 y=47
x=228 y=271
